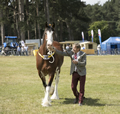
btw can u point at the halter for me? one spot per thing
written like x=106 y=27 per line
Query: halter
x=46 y=57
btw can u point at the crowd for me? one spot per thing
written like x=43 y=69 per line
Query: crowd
x=22 y=50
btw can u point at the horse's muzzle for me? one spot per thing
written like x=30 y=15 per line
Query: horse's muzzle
x=49 y=46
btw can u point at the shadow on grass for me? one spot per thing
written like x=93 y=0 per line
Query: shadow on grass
x=92 y=102
x=87 y=101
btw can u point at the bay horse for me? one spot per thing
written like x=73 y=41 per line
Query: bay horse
x=49 y=63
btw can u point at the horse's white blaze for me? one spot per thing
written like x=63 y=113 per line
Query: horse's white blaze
x=55 y=94
x=46 y=101
x=49 y=37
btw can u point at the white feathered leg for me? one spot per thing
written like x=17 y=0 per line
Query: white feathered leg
x=46 y=101
x=55 y=94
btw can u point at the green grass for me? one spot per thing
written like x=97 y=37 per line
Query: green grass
x=21 y=89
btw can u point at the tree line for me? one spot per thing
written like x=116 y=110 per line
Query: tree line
x=26 y=19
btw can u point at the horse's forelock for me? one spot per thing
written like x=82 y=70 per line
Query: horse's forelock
x=50 y=29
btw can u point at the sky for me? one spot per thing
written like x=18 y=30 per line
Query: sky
x=92 y=2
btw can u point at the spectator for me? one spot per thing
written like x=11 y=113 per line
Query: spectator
x=26 y=49
x=67 y=47
x=82 y=47
x=3 y=50
x=18 y=50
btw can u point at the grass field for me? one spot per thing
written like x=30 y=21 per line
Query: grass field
x=21 y=90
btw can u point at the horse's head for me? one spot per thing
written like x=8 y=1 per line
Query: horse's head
x=49 y=34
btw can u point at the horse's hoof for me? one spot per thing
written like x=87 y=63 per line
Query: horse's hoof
x=54 y=97
x=46 y=104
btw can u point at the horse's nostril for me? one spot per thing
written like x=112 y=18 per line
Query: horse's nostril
x=49 y=44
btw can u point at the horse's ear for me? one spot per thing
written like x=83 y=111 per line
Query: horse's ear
x=53 y=25
x=46 y=24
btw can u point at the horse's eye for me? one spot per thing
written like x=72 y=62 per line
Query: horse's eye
x=45 y=33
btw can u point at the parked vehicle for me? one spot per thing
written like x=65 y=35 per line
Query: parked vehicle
x=10 y=45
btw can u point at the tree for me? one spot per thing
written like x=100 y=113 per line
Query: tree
x=21 y=19
x=103 y=26
x=70 y=16
x=2 y=20
x=28 y=17
x=2 y=26
x=47 y=11
x=38 y=25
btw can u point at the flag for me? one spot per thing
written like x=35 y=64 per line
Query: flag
x=92 y=34
x=83 y=36
x=99 y=34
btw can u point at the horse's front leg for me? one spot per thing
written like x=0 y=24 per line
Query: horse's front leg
x=47 y=100
x=55 y=94
x=42 y=76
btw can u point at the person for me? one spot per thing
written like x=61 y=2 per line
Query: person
x=99 y=50
x=67 y=47
x=3 y=50
x=78 y=70
x=22 y=50
x=83 y=48
x=18 y=50
x=26 y=49
x=70 y=47
x=22 y=43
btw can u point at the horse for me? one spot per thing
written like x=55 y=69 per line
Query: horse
x=49 y=63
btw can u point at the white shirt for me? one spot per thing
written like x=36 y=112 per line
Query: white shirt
x=22 y=43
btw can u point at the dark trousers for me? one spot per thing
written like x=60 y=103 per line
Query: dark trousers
x=75 y=78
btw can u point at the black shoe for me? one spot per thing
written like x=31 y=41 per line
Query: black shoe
x=75 y=101
x=80 y=104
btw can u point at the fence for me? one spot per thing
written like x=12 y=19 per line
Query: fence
x=110 y=52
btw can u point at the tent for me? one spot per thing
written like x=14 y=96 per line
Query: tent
x=110 y=44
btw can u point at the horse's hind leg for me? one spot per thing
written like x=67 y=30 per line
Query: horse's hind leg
x=55 y=94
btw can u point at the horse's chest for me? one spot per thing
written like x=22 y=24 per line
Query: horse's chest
x=47 y=67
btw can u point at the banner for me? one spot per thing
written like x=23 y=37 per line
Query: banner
x=92 y=34
x=99 y=34
x=83 y=36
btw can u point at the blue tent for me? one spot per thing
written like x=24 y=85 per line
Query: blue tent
x=111 y=43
